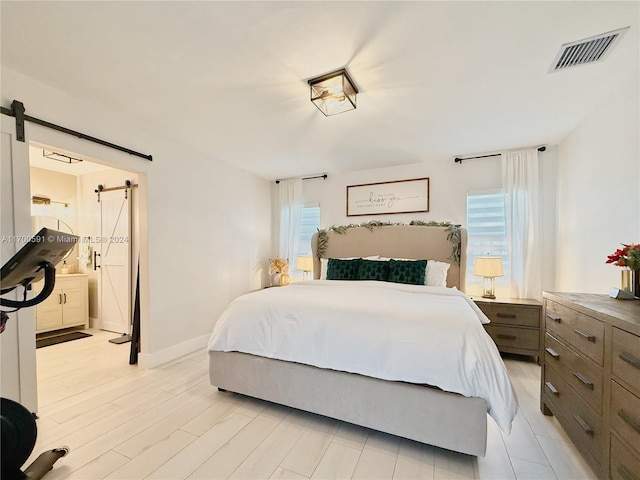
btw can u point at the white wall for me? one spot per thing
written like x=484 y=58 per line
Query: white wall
x=449 y=184
x=207 y=236
x=599 y=192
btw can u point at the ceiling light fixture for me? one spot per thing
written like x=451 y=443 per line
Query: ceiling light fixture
x=334 y=92
x=60 y=157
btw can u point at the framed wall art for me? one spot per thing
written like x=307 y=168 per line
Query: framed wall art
x=402 y=196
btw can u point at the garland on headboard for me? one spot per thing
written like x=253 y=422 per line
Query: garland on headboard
x=454 y=236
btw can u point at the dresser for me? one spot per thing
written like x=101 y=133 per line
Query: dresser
x=591 y=378
x=515 y=324
x=67 y=306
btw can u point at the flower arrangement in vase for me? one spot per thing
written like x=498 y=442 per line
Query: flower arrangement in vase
x=279 y=271
x=629 y=259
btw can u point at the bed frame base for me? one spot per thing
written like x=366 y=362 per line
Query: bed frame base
x=424 y=414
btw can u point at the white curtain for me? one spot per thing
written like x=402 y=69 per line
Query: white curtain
x=521 y=184
x=290 y=207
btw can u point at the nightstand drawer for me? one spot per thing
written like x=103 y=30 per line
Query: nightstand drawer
x=584 y=333
x=583 y=375
x=626 y=357
x=507 y=314
x=625 y=415
x=514 y=337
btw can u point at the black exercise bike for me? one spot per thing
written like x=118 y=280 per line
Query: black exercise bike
x=37 y=259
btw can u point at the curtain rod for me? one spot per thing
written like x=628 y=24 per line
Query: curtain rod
x=17 y=111
x=309 y=178
x=459 y=160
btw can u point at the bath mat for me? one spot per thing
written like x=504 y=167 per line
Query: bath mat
x=65 y=337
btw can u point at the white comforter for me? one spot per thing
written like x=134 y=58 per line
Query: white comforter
x=410 y=333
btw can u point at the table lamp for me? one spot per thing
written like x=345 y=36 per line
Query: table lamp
x=489 y=268
x=305 y=264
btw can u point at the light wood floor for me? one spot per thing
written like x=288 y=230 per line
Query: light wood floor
x=124 y=422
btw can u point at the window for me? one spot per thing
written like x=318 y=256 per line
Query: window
x=309 y=224
x=486 y=228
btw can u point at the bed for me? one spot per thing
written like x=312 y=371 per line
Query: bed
x=285 y=372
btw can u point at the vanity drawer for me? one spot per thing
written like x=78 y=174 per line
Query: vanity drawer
x=625 y=415
x=583 y=332
x=514 y=337
x=626 y=357
x=624 y=464
x=582 y=374
x=581 y=422
x=510 y=314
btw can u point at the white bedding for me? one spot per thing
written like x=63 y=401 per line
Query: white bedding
x=411 y=333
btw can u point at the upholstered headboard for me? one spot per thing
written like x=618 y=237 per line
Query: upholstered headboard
x=395 y=241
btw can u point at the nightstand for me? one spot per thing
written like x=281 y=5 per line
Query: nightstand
x=515 y=324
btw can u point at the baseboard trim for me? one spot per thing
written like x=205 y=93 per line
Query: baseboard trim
x=152 y=360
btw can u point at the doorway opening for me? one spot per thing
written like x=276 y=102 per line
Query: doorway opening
x=95 y=286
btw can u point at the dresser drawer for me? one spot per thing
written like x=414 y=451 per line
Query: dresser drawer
x=625 y=415
x=524 y=338
x=624 y=464
x=626 y=357
x=583 y=332
x=507 y=314
x=582 y=374
x=582 y=423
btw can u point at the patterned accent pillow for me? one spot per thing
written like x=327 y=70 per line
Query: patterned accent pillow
x=412 y=271
x=373 y=270
x=338 y=269
x=324 y=263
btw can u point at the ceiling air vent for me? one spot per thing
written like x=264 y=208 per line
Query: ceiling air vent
x=589 y=50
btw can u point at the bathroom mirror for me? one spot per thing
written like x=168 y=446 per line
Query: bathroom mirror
x=40 y=221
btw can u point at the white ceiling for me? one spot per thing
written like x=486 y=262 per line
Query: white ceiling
x=437 y=79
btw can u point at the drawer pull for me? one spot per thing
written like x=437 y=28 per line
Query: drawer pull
x=505 y=315
x=630 y=359
x=552 y=352
x=626 y=473
x=630 y=419
x=555 y=318
x=583 y=379
x=585 y=426
x=586 y=335
x=506 y=337
x=553 y=389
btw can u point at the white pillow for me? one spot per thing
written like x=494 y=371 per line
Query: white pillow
x=436 y=275
x=324 y=262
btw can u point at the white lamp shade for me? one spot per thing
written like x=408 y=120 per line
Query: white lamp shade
x=304 y=263
x=488 y=267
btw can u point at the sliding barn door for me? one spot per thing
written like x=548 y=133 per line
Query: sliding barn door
x=115 y=260
x=18 y=341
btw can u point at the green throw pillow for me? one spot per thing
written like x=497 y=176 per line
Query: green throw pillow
x=373 y=270
x=411 y=271
x=338 y=269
